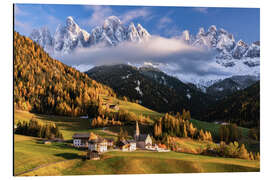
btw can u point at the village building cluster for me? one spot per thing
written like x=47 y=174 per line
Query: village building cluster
x=96 y=144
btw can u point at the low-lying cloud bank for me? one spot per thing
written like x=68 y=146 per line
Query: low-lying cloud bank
x=179 y=57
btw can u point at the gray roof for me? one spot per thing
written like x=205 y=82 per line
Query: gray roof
x=98 y=140
x=81 y=135
x=142 y=137
x=131 y=141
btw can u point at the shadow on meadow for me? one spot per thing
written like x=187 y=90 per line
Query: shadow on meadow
x=69 y=156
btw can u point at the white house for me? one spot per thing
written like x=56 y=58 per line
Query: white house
x=132 y=145
x=128 y=145
x=99 y=145
x=90 y=141
x=80 y=140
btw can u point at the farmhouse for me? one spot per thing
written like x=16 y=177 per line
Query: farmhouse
x=99 y=145
x=80 y=140
x=127 y=145
x=143 y=141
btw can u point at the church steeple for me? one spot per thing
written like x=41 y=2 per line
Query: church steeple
x=137 y=129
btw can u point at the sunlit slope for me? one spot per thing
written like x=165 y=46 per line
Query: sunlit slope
x=146 y=163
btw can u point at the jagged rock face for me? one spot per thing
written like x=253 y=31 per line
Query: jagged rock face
x=132 y=34
x=253 y=50
x=219 y=40
x=225 y=41
x=70 y=36
x=227 y=50
x=240 y=49
x=187 y=37
x=43 y=38
x=234 y=56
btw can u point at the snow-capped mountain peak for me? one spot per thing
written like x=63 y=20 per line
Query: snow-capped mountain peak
x=212 y=29
x=143 y=33
x=185 y=36
x=70 y=36
x=72 y=26
x=132 y=33
x=240 y=49
x=43 y=38
x=200 y=32
x=112 y=21
x=238 y=56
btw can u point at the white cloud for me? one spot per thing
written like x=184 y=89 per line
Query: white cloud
x=170 y=51
x=99 y=14
x=203 y=10
x=133 y=14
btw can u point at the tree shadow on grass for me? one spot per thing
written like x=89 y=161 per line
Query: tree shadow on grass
x=69 y=156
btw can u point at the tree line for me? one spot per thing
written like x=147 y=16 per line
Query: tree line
x=36 y=129
x=178 y=126
x=230 y=150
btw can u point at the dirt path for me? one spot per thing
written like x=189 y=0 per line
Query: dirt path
x=41 y=166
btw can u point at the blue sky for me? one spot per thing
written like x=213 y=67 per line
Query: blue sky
x=243 y=23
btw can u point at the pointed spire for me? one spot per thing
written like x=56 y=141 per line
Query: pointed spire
x=137 y=129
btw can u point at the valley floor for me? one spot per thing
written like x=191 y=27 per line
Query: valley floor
x=34 y=158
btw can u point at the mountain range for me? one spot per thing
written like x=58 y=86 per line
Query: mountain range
x=151 y=88
x=156 y=90
x=70 y=36
x=237 y=57
x=63 y=90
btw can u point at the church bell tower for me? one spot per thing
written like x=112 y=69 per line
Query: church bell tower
x=137 y=134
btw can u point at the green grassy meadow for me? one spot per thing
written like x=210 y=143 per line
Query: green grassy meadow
x=134 y=107
x=32 y=157
x=61 y=159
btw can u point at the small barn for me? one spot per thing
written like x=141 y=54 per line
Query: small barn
x=114 y=107
x=93 y=155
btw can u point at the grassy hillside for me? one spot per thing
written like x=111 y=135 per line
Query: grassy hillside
x=133 y=107
x=32 y=157
x=67 y=125
x=60 y=159
x=153 y=88
x=214 y=128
